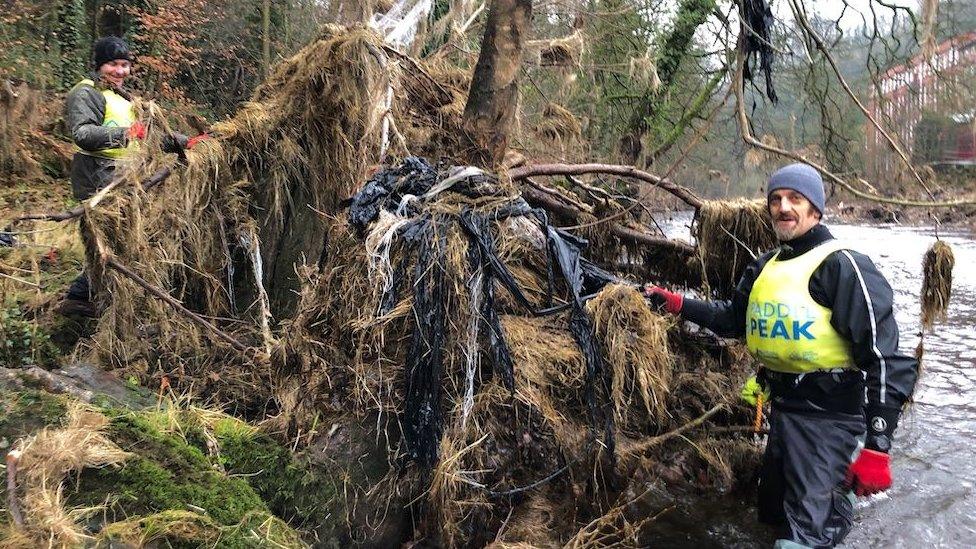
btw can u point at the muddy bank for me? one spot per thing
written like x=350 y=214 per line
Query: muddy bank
x=858 y=212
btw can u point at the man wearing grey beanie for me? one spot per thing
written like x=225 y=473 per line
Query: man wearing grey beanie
x=819 y=318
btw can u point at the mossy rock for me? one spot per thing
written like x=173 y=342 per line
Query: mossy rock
x=24 y=410
x=196 y=478
x=319 y=490
x=165 y=473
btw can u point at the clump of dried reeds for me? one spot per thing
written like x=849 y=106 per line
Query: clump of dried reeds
x=731 y=234
x=45 y=461
x=643 y=69
x=562 y=51
x=559 y=125
x=215 y=236
x=756 y=157
x=635 y=341
x=936 y=283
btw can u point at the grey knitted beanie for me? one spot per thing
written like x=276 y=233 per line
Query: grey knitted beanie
x=801 y=178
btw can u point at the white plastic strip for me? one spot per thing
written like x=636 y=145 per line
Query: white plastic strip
x=253 y=245
x=874 y=327
x=399 y=24
x=471 y=348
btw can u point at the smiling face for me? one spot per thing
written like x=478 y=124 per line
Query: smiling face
x=792 y=214
x=115 y=72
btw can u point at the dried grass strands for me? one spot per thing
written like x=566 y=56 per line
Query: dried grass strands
x=643 y=70
x=564 y=51
x=46 y=459
x=559 y=125
x=635 y=341
x=936 y=283
x=612 y=529
x=731 y=234
x=142 y=531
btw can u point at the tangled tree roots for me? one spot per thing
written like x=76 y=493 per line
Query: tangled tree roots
x=936 y=283
x=230 y=232
x=430 y=298
x=730 y=234
x=447 y=322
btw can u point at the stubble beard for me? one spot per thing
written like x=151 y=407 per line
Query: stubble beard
x=784 y=235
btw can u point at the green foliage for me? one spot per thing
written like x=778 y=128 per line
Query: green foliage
x=23 y=343
x=608 y=93
x=934 y=133
x=73 y=42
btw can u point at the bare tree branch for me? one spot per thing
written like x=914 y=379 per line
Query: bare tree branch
x=79 y=210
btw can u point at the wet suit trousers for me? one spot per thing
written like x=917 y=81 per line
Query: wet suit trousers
x=801 y=481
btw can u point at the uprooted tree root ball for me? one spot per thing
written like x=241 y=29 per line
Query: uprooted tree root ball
x=480 y=370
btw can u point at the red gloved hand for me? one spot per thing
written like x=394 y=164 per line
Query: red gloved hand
x=136 y=131
x=664 y=299
x=196 y=139
x=870 y=473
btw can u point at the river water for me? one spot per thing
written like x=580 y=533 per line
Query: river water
x=932 y=501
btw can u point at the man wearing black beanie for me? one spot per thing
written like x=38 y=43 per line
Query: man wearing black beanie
x=104 y=128
x=819 y=318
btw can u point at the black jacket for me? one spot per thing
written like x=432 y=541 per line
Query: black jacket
x=861 y=301
x=84 y=112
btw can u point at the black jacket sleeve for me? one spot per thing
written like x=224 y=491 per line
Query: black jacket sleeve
x=175 y=142
x=862 y=305
x=84 y=113
x=726 y=318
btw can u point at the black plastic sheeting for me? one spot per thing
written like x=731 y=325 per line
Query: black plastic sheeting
x=759 y=18
x=424 y=238
x=482 y=255
x=567 y=250
x=425 y=357
x=415 y=176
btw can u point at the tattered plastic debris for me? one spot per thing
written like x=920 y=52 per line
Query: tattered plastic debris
x=403 y=191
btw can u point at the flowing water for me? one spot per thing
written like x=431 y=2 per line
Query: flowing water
x=932 y=502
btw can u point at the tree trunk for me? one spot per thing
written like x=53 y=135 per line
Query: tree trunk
x=70 y=38
x=493 y=96
x=265 y=38
x=691 y=14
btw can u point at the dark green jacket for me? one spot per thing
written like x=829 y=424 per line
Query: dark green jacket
x=84 y=113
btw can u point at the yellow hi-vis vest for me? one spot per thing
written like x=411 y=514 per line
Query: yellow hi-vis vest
x=118 y=114
x=786 y=329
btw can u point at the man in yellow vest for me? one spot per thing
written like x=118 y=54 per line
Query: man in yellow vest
x=819 y=317
x=103 y=125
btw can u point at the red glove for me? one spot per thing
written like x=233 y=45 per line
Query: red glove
x=196 y=139
x=136 y=131
x=870 y=473
x=664 y=299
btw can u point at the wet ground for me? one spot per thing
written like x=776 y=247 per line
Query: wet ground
x=932 y=502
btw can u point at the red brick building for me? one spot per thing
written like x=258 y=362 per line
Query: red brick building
x=928 y=106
